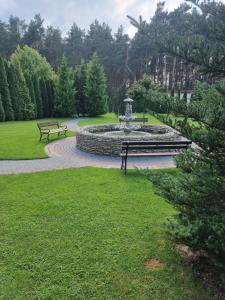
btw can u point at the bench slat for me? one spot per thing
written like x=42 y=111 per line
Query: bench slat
x=139 y=120
x=142 y=148
x=146 y=147
x=56 y=130
x=46 y=124
x=150 y=154
x=130 y=143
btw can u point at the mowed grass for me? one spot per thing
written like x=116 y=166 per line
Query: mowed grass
x=181 y=118
x=112 y=118
x=86 y=234
x=20 y=140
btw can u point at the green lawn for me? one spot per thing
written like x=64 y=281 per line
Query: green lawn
x=86 y=234
x=181 y=118
x=112 y=118
x=20 y=140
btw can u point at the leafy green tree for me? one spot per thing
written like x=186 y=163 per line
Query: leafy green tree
x=150 y=97
x=30 y=86
x=4 y=90
x=2 y=112
x=96 y=88
x=44 y=96
x=36 y=68
x=199 y=91
x=50 y=86
x=139 y=91
x=64 y=102
x=17 y=102
x=37 y=92
x=80 y=77
x=22 y=91
x=33 y=63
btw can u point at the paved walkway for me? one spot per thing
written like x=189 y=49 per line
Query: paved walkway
x=64 y=154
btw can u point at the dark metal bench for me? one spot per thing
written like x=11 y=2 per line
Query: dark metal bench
x=45 y=131
x=138 y=120
x=145 y=148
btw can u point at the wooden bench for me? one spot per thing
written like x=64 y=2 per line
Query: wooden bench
x=144 y=148
x=138 y=120
x=46 y=131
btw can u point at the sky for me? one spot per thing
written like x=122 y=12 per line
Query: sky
x=63 y=13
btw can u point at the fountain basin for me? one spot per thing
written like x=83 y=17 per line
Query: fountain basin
x=106 y=139
x=129 y=135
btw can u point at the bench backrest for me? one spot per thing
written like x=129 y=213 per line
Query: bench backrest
x=48 y=124
x=143 y=145
x=144 y=120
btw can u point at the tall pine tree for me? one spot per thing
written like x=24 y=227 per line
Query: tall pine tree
x=74 y=45
x=4 y=90
x=53 y=47
x=22 y=90
x=31 y=93
x=50 y=86
x=96 y=88
x=17 y=102
x=37 y=92
x=80 y=76
x=198 y=192
x=2 y=112
x=64 y=102
x=44 y=96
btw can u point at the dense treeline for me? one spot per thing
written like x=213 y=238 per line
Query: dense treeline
x=30 y=88
x=124 y=60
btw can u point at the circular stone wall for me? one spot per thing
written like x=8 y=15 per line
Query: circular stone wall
x=94 y=139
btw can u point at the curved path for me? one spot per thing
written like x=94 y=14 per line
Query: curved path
x=64 y=154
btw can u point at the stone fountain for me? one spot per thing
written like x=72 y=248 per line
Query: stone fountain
x=128 y=117
x=106 y=139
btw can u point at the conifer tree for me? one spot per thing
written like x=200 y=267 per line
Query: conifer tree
x=38 y=97
x=79 y=82
x=95 y=88
x=74 y=45
x=31 y=93
x=64 y=102
x=17 y=102
x=22 y=91
x=4 y=90
x=53 y=46
x=198 y=192
x=2 y=112
x=51 y=96
x=44 y=96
